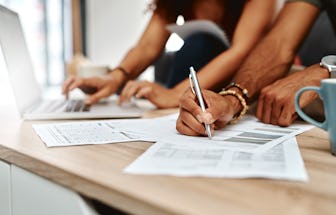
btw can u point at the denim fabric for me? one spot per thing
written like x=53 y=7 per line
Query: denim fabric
x=198 y=50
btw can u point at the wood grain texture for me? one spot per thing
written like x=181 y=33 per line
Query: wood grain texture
x=95 y=171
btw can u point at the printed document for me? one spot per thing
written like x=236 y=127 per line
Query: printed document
x=83 y=133
x=247 y=135
x=282 y=161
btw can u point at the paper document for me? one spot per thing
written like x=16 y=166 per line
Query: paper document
x=83 y=133
x=283 y=161
x=195 y=26
x=248 y=135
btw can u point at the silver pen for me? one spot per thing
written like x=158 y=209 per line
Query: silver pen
x=197 y=90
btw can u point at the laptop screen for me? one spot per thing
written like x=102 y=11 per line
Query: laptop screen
x=18 y=61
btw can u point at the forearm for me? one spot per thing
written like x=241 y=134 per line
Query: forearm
x=272 y=57
x=138 y=59
x=219 y=70
x=147 y=50
x=133 y=64
x=264 y=66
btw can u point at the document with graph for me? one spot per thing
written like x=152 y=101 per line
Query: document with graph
x=282 y=161
x=247 y=135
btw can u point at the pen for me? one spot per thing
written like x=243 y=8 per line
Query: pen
x=194 y=84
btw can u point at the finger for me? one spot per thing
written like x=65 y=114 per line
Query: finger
x=124 y=90
x=220 y=109
x=260 y=106
x=217 y=112
x=287 y=116
x=190 y=121
x=191 y=126
x=76 y=83
x=294 y=117
x=188 y=103
x=144 y=92
x=276 y=112
x=267 y=110
x=211 y=114
x=129 y=90
x=206 y=117
x=221 y=123
x=66 y=85
x=184 y=129
x=94 y=98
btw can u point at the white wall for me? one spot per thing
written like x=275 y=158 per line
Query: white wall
x=113 y=26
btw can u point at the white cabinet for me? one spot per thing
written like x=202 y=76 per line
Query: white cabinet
x=34 y=195
x=5 y=195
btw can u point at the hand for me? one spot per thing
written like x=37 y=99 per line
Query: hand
x=156 y=94
x=276 y=101
x=99 y=87
x=220 y=111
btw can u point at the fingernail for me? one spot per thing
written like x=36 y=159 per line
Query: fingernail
x=207 y=117
x=199 y=118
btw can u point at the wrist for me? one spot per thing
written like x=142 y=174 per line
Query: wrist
x=323 y=72
x=234 y=104
x=328 y=63
x=119 y=74
x=182 y=86
x=312 y=76
x=234 y=98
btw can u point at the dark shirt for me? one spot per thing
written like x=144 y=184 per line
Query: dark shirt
x=330 y=7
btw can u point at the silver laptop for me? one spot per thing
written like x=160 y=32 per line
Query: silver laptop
x=28 y=95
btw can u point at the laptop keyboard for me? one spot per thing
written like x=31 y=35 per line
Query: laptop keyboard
x=76 y=106
x=51 y=106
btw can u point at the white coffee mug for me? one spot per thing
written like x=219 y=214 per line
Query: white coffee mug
x=91 y=70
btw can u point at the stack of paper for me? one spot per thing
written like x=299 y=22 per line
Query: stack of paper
x=247 y=149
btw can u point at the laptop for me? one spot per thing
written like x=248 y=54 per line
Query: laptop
x=28 y=95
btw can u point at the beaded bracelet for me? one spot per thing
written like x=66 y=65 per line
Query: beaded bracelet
x=242 y=101
x=244 y=91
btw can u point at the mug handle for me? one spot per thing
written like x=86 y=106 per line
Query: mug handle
x=304 y=116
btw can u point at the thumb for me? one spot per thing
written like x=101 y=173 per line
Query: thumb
x=205 y=117
x=218 y=111
x=213 y=111
x=97 y=96
x=145 y=92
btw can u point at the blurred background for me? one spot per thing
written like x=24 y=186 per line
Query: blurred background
x=56 y=30
x=103 y=31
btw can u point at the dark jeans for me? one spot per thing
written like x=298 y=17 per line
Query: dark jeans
x=198 y=50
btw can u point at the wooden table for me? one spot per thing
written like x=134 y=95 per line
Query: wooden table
x=95 y=171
